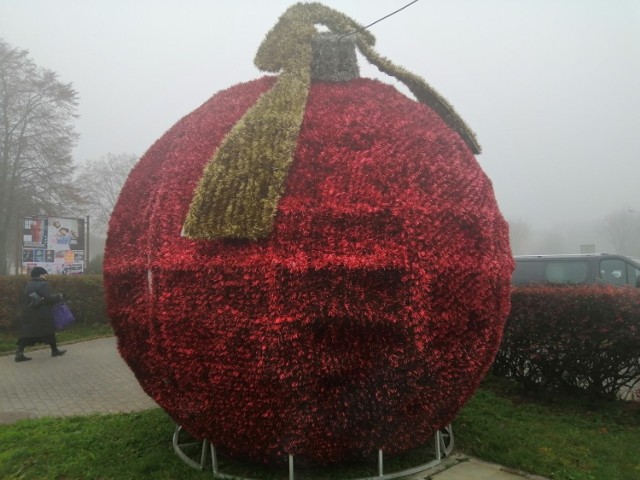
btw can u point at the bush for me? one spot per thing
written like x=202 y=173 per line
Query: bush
x=95 y=265
x=11 y=288
x=83 y=292
x=572 y=340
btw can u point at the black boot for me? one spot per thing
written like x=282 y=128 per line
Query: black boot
x=20 y=356
x=56 y=352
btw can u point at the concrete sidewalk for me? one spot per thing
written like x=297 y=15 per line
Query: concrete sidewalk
x=92 y=378
x=462 y=467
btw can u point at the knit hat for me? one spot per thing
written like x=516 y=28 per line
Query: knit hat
x=36 y=272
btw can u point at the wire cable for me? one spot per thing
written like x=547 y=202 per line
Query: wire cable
x=377 y=21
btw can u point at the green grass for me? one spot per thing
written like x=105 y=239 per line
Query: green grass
x=123 y=446
x=73 y=334
x=563 y=441
x=126 y=446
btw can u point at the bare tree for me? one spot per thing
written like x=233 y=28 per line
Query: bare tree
x=36 y=139
x=623 y=230
x=100 y=181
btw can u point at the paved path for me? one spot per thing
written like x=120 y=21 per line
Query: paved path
x=92 y=378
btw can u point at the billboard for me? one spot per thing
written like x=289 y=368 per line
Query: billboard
x=55 y=243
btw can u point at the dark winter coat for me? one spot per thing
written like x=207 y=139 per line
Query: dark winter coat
x=38 y=321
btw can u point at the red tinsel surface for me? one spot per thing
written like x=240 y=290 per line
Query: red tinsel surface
x=365 y=321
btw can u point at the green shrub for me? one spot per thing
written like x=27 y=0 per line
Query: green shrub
x=11 y=288
x=572 y=340
x=84 y=294
x=96 y=264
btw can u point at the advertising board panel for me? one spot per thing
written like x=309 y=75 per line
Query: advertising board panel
x=55 y=243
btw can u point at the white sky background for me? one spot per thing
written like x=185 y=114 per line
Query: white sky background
x=551 y=87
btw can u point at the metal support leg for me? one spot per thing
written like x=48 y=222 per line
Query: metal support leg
x=446 y=440
x=177 y=447
x=291 y=470
x=203 y=453
x=380 y=463
x=214 y=460
x=437 y=442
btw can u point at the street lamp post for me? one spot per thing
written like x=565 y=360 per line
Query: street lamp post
x=631 y=210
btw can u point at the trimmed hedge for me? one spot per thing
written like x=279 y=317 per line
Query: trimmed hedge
x=572 y=340
x=84 y=294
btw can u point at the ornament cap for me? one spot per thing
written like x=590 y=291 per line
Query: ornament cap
x=334 y=58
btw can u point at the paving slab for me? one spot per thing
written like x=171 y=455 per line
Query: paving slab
x=462 y=467
x=90 y=378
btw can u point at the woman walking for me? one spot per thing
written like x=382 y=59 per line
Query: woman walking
x=37 y=316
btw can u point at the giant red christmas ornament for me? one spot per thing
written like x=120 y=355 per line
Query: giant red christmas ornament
x=310 y=264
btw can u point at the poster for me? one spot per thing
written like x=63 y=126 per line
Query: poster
x=55 y=243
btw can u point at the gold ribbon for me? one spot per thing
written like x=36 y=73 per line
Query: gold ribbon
x=238 y=194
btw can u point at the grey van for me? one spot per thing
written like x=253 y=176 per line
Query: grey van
x=579 y=269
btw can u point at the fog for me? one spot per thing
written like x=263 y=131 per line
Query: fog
x=551 y=88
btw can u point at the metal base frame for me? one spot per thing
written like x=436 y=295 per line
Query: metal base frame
x=443 y=440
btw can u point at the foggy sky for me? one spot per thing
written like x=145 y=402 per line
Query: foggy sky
x=551 y=87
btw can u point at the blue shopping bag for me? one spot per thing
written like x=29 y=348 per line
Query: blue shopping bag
x=62 y=316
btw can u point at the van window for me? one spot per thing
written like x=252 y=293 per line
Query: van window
x=633 y=275
x=566 y=272
x=577 y=270
x=528 y=272
x=618 y=272
x=613 y=271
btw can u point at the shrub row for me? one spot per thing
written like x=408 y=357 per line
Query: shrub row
x=84 y=294
x=572 y=340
